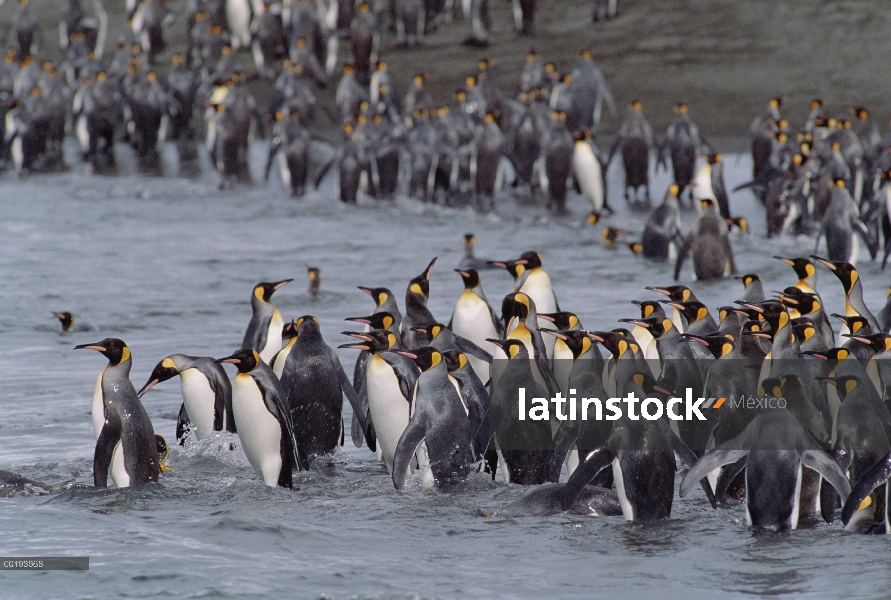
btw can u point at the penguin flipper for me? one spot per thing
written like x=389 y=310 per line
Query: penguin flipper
x=823 y=464
x=682 y=255
x=411 y=438
x=708 y=463
x=468 y=347
x=728 y=474
x=544 y=366
x=584 y=474
x=108 y=439
x=273 y=149
x=183 y=424
x=347 y=388
x=863 y=231
x=875 y=476
x=687 y=456
x=564 y=438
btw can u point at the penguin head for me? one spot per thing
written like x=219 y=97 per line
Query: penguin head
x=756 y=328
x=374 y=341
x=529 y=259
x=708 y=205
x=455 y=360
x=379 y=295
x=245 y=360
x=844 y=385
x=656 y=324
x=164 y=370
x=771 y=387
x=681 y=108
x=593 y=218
x=516 y=305
x=307 y=324
x=833 y=356
x=431 y=332
x=648 y=385
x=748 y=279
x=289 y=330
x=531 y=54
x=115 y=350
x=420 y=285
x=845 y=271
x=649 y=308
x=163 y=453
x=817 y=103
x=798 y=300
x=611 y=233
x=66 y=319
x=562 y=320
x=471 y=278
x=675 y=293
x=713 y=159
x=693 y=310
x=513 y=267
x=804 y=328
x=512 y=348
x=263 y=291
x=426 y=358
x=673 y=190
x=772 y=311
x=379 y=320
x=635 y=247
x=483 y=64
x=803 y=267
x=314 y=274
x=614 y=341
x=879 y=342
x=636 y=105
x=468 y=240
x=576 y=340
x=856 y=324
x=719 y=345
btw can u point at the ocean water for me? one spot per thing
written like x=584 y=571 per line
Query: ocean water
x=168 y=263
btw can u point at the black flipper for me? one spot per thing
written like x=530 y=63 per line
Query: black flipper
x=411 y=438
x=708 y=463
x=584 y=474
x=471 y=349
x=273 y=149
x=108 y=439
x=682 y=255
x=875 y=476
x=823 y=464
x=183 y=424
x=687 y=456
x=347 y=388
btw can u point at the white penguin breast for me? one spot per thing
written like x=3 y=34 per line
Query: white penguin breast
x=627 y=509
x=388 y=407
x=199 y=399
x=587 y=172
x=472 y=320
x=273 y=336
x=258 y=429
x=118 y=471
x=98 y=413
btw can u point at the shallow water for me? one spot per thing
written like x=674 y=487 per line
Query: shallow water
x=167 y=264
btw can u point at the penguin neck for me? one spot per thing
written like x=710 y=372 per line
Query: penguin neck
x=121 y=369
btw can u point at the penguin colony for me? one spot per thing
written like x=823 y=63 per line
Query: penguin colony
x=428 y=398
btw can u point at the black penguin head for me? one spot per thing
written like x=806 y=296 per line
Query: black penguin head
x=756 y=328
x=512 y=348
x=708 y=205
x=426 y=358
x=772 y=387
x=163 y=453
x=314 y=274
x=845 y=271
x=307 y=324
x=879 y=342
x=115 y=350
x=772 y=311
x=374 y=341
x=693 y=310
x=420 y=285
x=675 y=293
x=648 y=385
x=649 y=308
x=245 y=360
x=856 y=324
x=833 y=356
x=66 y=319
x=515 y=306
x=455 y=360
x=576 y=340
x=530 y=260
x=803 y=302
x=513 y=267
x=471 y=278
x=748 y=279
x=379 y=320
x=610 y=234
x=289 y=330
x=713 y=158
x=431 y=332
x=263 y=291
x=562 y=320
x=804 y=328
x=616 y=342
x=469 y=240
x=719 y=345
x=379 y=295
x=845 y=385
x=164 y=370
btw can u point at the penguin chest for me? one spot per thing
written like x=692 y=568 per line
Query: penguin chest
x=98 y=413
x=702 y=186
x=279 y=366
x=259 y=431
x=273 y=336
x=118 y=469
x=538 y=287
x=200 y=400
x=587 y=172
x=472 y=319
x=389 y=408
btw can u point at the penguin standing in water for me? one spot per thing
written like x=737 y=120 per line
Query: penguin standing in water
x=475 y=320
x=662 y=232
x=314 y=384
x=474 y=396
x=635 y=139
x=710 y=245
x=207 y=394
x=709 y=184
x=125 y=438
x=289 y=337
x=682 y=140
x=589 y=173
x=264 y=332
x=776 y=448
x=524 y=16
x=416 y=312
x=841 y=222
x=69 y=325
x=485 y=163
x=439 y=431
x=850 y=280
x=389 y=382
x=877 y=475
x=558 y=150
x=263 y=419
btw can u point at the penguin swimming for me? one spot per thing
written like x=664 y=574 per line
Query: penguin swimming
x=69 y=325
x=263 y=419
x=264 y=332
x=207 y=394
x=125 y=444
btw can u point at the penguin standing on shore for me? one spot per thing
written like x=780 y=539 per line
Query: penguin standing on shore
x=207 y=394
x=264 y=332
x=314 y=384
x=662 y=233
x=125 y=438
x=263 y=419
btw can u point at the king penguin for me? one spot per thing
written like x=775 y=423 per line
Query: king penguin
x=125 y=438
x=474 y=320
x=416 y=312
x=207 y=394
x=264 y=332
x=263 y=419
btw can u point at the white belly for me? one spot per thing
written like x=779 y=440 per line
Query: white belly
x=259 y=431
x=702 y=186
x=273 y=337
x=98 y=407
x=199 y=399
x=279 y=366
x=627 y=510
x=388 y=407
x=587 y=172
x=473 y=321
x=238 y=15
x=118 y=473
